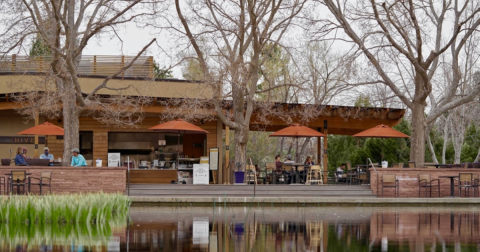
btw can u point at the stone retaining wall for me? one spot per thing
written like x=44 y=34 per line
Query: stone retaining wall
x=408 y=180
x=76 y=179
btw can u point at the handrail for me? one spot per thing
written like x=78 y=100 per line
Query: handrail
x=89 y=65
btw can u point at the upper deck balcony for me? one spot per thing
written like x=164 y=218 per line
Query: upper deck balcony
x=89 y=66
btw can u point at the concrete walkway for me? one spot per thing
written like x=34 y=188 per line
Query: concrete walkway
x=277 y=195
x=320 y=201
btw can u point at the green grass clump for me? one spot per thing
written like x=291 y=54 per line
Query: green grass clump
x=98 y=208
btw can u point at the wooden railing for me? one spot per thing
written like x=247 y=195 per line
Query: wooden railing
x=90 y=65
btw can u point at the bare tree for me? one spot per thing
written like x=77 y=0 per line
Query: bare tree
x=403 y=41
x=66 y=27
x=237 y=34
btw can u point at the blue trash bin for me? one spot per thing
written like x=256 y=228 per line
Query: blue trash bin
x=239 y=176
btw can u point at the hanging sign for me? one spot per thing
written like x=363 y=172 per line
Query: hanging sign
x=214 y=159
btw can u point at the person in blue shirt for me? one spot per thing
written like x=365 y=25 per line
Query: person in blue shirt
x=19 y=159
x=78 y=159
x=47 y=155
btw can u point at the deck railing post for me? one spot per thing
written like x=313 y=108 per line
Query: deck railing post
x=14 y=63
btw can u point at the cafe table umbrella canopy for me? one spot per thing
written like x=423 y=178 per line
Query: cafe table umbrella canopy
x=45 y=128
x=296 y=131
x=381 y=131
x=178 y=126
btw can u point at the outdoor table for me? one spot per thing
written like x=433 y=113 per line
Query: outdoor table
x=451 y=183
x=28 y=179
x=296 y=178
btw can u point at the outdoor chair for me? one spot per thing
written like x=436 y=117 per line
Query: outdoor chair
x=390 y=181
x=395 y=165
x=287 y=174
x=251 y=175
x=89 y=162
x=475 y=182
x=465 y=180
x=400 y=165
x=411 y=164
x=45 y=180
x=425 y=181
x=362 y=178
x=349 y=167
x=271 y=173
x=18 y=178
x=3 y=182
x=314 y=175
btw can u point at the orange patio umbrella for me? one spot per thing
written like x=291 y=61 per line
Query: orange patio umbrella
x=45 y=128
x=178 y=126
x=381 y=131
x=296 y=131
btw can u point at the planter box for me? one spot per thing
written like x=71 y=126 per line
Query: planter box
x=6 y=161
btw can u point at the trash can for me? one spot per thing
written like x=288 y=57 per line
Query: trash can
x=384 y=164
x=239 y=177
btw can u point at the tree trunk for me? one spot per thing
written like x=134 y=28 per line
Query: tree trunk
x=70 y=124
x=445 y=140
x=417 y=144
x=478 y=156
x=241 y=140
x=432 y=150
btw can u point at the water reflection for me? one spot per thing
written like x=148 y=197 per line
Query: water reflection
x=239 y=229
x=303 y=229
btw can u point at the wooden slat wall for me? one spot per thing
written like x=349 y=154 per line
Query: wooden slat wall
x=100 y=145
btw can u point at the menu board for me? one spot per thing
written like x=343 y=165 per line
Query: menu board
x=200 y=174
x=114 y=159
x=214 y=159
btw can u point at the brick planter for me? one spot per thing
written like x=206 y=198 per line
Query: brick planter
x=408 y=180
x=77 y=179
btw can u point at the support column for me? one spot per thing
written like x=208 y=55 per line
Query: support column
x=227 y=154
x=319 y=148
x=220 y=170
x=325 y=150
x=36 y=137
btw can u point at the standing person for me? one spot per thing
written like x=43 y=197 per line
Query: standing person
x=78 y=159
x=47 y=155
x=19 y=158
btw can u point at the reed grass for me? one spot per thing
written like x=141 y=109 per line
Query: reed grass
x=98 y=208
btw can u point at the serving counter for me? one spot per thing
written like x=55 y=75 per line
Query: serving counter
x=153 y=176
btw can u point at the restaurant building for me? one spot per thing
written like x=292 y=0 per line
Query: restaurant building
x=141 y=144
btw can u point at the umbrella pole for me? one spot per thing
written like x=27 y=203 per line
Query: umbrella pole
x=296 y=153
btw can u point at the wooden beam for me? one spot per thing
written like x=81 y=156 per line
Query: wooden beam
x=325 y=151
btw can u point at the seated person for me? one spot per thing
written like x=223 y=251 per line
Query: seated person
x=19 y=158
x=24 y=152
x=289 y=160
x=309 y=161
x=47 y=155
x=77 y=159
x=278 y=164
x=339 y=174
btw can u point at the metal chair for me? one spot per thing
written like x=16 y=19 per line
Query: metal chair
x=424 y=180
x=465 y=180
x=390 y=180
x=44 y=180
x=362 y=178
x=412 y=164
x=18 y=178
x=315 y=175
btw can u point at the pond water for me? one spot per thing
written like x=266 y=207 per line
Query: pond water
x=239 y=229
